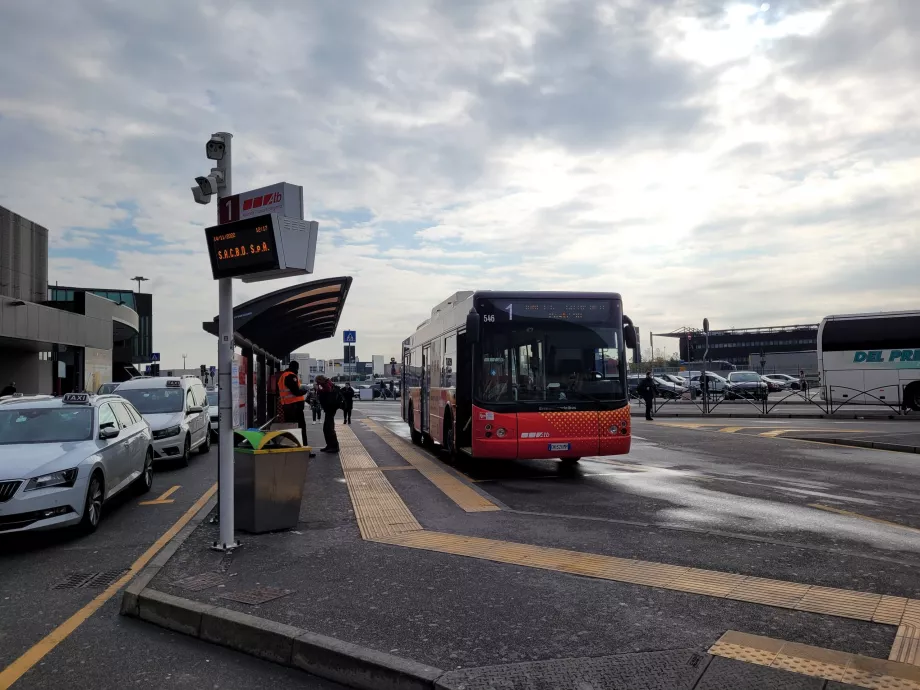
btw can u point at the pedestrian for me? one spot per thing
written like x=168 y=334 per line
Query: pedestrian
x=315 y=407
x=647 y=389
x=292 y=398
x=8 y=390
x=803 y=382
x=348 y=395
x=329 y=399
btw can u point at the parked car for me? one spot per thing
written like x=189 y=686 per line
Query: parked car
x=675 y=379
x=746 y=384
x=178 y=412
x=107 y=388
x=789 y=382
x=213 y=412
x=61 y=459
x=669 y=389
x=716 y=383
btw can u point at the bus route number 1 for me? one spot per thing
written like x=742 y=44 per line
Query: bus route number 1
x=488 y=318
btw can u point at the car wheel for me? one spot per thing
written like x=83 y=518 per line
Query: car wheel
x=570 y=461
x=92 y=508
x=186 y=451
x=206 y=446
x=143 y=483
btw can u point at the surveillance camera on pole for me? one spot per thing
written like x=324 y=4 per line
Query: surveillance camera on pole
x=206 y=187
x=215 y=147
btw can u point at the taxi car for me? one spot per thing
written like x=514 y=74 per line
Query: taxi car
x=62 y=458
x=178 y=412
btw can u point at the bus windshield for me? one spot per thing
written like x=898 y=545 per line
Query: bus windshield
x=543 y=358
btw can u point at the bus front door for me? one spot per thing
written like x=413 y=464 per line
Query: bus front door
x=426 y=389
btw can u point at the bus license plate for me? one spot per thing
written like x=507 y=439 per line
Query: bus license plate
x=560 y=446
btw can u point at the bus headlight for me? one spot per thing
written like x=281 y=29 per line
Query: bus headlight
x=501 y=432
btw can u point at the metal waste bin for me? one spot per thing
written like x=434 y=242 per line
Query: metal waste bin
x=269 y=469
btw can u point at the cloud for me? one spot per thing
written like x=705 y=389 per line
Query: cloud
x=703 y=158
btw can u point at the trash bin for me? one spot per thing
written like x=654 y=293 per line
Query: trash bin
x=269 y=469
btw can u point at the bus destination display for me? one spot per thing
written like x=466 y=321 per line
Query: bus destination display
x=589 y=311
x=242 y=247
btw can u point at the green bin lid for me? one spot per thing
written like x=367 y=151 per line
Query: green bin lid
x=265 y=440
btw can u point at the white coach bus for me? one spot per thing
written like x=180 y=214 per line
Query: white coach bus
x=871 y=358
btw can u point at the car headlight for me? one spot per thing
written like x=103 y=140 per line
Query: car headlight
x=166 y=433
x=64 y=478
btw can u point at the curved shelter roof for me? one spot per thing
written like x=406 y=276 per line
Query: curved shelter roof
x=284 y=320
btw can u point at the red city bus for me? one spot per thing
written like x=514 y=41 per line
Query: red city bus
x=520 y=375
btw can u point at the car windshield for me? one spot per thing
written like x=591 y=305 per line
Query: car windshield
x=46 y=425
x=155 y=400
x=745 y=377
x=212 y=398
x=107 y=388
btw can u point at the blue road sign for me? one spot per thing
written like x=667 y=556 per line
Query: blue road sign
x=154 y=356
x=349 y=336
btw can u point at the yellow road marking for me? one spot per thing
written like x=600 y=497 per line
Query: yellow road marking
x=162 y=499
x=384 y=518
x=854 y=669
x=18 y=668
x=733 y=429
x=840 y=511
x=461 y=494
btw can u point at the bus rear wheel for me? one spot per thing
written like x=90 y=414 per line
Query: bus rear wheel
x=912 y=396
x=414 y=434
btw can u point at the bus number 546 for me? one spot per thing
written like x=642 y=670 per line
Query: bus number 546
x=488 y=318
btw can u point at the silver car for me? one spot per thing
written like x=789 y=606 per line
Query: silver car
x=62 y=458
x=178 y=412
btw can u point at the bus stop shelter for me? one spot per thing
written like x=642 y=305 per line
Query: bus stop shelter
x=272 y=326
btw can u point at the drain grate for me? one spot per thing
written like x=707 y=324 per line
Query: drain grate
x=90 y=580
x=196 y=583
x=256 y=596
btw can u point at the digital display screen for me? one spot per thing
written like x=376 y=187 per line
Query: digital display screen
x=586 y=311
x=242 y=247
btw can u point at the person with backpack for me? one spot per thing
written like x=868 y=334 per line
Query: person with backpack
x=330 y=398
x=348 y=395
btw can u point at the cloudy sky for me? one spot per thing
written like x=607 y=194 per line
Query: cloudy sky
x=758 y=164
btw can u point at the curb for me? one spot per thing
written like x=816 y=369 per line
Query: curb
x=862 y=416
x=342 y=662
x=857 y=443
x=326 y=657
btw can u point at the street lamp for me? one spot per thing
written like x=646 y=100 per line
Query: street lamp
x=183 y=362
x=139 y=279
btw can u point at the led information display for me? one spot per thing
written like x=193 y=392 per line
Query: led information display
x=242 y=247
x=587 y=311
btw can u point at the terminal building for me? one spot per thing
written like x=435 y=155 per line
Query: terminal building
x=742 y=346
x=49 y=342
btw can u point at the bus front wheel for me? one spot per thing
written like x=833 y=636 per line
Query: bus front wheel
x=413 y=432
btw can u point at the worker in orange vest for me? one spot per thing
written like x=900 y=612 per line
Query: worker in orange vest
x=292 y=398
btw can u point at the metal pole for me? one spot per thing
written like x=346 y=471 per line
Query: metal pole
x=225 y=344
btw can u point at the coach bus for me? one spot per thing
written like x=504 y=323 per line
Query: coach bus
x=871 y=358
x=520 y=375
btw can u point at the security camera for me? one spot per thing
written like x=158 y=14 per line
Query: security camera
x=215 y=148
x=206 y=187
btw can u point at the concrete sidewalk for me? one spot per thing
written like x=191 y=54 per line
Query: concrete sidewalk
x=400 y=574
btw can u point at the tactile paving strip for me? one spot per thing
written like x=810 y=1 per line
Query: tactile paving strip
x=383 y=517
x=461 y=494
x=379 y=510
x=863 y=671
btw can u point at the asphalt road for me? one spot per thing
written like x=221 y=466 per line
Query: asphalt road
x=107 y=650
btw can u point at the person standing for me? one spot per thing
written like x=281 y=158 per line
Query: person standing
x=313 y=402
x=348 y=396
x=8 y=390
x=803 y=382
x=328 y=397
x=647 y=389
x=292 y=398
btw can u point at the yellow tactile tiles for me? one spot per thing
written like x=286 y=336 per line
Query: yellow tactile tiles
x=384 y=518
x=378 y=508
x=863 y=671
x=461 y=494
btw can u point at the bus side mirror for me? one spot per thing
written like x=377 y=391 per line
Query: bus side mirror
x=629 y=333
x=472 y=327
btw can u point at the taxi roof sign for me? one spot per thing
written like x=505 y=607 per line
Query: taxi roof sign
x=173 y=383
x=77 y=399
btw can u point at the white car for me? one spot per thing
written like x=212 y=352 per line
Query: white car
x=178 y=413
x=62 y=458
x=213 y=411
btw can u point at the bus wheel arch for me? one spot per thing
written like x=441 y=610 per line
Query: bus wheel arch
x=912 y=396
x=414 y=433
